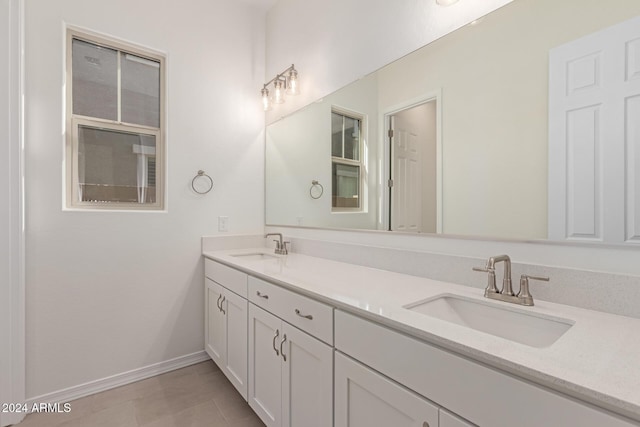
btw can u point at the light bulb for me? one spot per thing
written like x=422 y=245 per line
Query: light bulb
x=278 y=95
x=266 y=103
x=293 y=88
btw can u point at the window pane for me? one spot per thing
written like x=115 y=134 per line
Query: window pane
x=336 y=135
x=351 y=138
x=140 y=90
x=116 y=166
x=345 y=181
x=95 y=80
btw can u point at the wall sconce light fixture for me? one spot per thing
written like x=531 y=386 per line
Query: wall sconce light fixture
x=284 y=82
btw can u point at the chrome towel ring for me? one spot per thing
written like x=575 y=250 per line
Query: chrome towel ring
x=207 y=186
x=319 y=190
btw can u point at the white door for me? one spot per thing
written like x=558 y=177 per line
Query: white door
x=594 y=137
x=215 y=328
x=364 y=398
x=265 y=378
x=415 y=167
x=307 y=380
x=406 y=212
x=235 y=363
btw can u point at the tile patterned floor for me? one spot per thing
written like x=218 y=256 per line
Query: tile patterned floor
x=195 y=396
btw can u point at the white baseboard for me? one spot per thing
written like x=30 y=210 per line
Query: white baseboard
x=92 y=387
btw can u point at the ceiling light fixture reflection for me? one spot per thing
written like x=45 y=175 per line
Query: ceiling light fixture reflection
x=446 y=2
x=284 y=82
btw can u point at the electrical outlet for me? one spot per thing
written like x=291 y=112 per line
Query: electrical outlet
x=223 y=223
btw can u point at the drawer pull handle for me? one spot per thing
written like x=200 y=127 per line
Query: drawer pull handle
x=261 y=295
x=306 y=316
x=284 y=356
x=275 y=337
x=222 y=302
x=218 y=303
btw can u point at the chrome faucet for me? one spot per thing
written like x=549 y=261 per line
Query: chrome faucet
x=281 y=247
x=506 y=293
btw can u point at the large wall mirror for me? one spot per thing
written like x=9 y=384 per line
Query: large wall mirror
x=454 y=138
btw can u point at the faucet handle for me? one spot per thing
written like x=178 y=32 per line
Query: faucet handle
x=524 y=295
x=277 y=244
x=491 y=280
x=285 y=247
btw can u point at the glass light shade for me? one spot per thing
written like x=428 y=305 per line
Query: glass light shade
x=266 y=103
x=446 y=2
x=293 y=88
x=278 y=93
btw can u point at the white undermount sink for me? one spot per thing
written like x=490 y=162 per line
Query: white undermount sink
x=255 y=256
x=506 y=322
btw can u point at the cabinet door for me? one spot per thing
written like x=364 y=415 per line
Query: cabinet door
x=447 y=419
x=215 y=328
x=235 y=364
x=307 y=380
x=364 y=398
x=265 y=378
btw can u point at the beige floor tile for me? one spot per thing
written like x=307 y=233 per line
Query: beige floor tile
x=125 y=393
x=79 y=408
x=174 y=397
x=235 y=411
x=205 y=414
x=196 y=396
x=122 y=415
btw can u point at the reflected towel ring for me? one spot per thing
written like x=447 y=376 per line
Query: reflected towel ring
x=315 y=184
x=201 y=174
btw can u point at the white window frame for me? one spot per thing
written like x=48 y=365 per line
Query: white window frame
x=74 y=121
x=360 y=163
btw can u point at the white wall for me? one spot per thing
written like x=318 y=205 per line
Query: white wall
x=334 y=42
x=11 y=290
x=110 y=292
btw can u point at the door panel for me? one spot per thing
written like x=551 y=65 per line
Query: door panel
x=215 y=327
x=307 y=380
x=364 y=398
x=236 y=356
x=265 y=378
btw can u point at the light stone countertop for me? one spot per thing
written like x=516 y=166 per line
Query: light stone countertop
x=597 y=360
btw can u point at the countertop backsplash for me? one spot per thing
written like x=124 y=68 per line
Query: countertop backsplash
x=606 y=292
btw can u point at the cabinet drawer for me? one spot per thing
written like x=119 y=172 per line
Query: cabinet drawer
x=461 y=385
x=311 y=316
x=228 y=277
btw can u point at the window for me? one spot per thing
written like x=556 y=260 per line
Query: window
x=115 y=131
x=346 y=162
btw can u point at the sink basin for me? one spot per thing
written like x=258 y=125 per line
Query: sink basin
x=510 y=323
x=257 y=256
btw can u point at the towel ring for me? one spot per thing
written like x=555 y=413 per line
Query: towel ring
x=315 y=184
x=201 y=174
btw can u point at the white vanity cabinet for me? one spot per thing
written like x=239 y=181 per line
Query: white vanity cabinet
x=290 y=371
x=467 y=388
x=364 y=398
x=226 y=322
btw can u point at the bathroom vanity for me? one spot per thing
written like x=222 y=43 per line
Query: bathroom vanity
x=313 y=342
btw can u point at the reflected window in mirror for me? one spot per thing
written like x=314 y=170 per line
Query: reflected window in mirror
x=346 y=167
